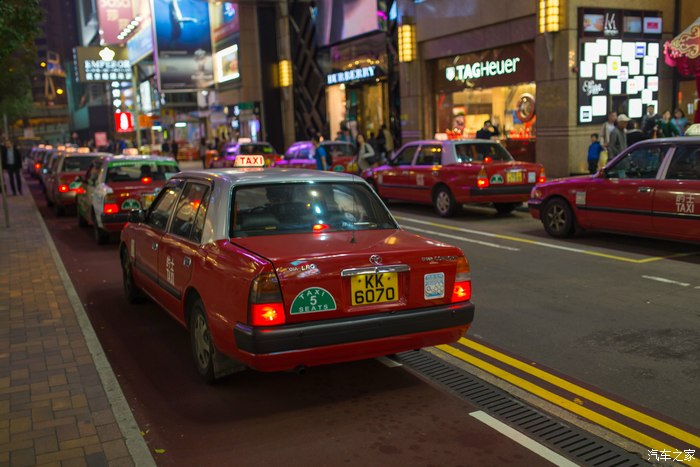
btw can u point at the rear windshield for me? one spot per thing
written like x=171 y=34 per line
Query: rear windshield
x=338 y=149
x=282 y=208
x=77 y=164
x=477 y=152
x=255 y=149
x=132 y=171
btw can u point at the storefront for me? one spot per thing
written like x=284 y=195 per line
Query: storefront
x=496 y=85
x=357 y=93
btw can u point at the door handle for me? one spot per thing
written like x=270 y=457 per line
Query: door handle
x=154 y=246
x=644 y=189
x=187 y=261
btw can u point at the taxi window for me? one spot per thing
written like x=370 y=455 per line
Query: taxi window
x=685 y=164
x=162 y=207
x=339 y=149
x=429 y=155
x=283 y=208
x=133 y=171
x=405 y=157
x=53 y=163
x=187 y=208
x=642 y=163
x=77 y=164
x=478 y=152
x=255 y=149
x=198 y=228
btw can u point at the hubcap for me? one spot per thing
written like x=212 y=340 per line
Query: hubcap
x=556 y=218
x=202 y=343
x=443 y=201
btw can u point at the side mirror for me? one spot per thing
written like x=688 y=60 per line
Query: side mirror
x=136 y=216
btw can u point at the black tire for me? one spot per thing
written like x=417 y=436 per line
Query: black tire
x=558 y=218
x=203 y=351
x=101 y=237
x=131 y=292
x=81 y=220
x=505 y=208
x=443 y=202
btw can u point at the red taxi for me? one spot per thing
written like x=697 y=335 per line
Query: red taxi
x=230 y=152
x=37 y=159
x=448 y=174
x=61 y=185
x=301 y=155
x=650 y=190
x=280 y=269
x=114 y=185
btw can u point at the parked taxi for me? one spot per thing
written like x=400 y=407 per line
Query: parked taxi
x=37 y=158
x=61 y=185
x=280 y=269
x=302 y=155
x=651 y=189
x=230 y=152
x=450 y=173
x=114 y=185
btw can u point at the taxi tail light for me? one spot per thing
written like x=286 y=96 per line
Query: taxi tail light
x=146 y=180
x=541 y=178
x=482 y=180
x=63 y=188
x=80 y=190
x=110 y=206
x=37 y=166
x=265 y=301
x=462 y=290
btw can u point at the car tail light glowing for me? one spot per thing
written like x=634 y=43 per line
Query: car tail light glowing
x=487 y=160
x=146 y=180
x=482 y=180
x=265 y=301
x=321 y=227
x=462 y=290
x=80 y=190
x=541 y=178
x=110 y=206
x=63 y=188
x=37 y=166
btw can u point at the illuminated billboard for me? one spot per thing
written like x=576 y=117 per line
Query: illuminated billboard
x=226 y=61
x=224 y=20
x=113 y=16
x=183 y=44
x=337 y=20
x=101 y=64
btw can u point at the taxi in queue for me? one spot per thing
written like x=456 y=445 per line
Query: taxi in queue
x=651 y=189
x=61 y=187
x=450 y=173
x=281 y=269
x=112 y=186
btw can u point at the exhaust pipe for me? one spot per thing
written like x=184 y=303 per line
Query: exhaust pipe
x=300 y=370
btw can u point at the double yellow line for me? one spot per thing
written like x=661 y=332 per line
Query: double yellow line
x=577 y=407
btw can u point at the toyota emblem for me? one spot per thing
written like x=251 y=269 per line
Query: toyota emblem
x=375 y=259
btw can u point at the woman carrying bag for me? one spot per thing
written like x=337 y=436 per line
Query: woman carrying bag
x=366 y=156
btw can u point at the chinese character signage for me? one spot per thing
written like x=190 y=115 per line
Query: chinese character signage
x=102 y=64
x=113 y=16
x=183 y=44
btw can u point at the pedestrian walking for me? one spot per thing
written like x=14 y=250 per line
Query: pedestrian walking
x=12 y=165
x=618 y=138
x=366 y=156
x=666 y=127
x=388 y=141
x=680 y=121
x=594 y=151
x=203 y=151
x=650 y=122
x=320 y=154
x=607 y=128
x=634 y=134
x=174 y=148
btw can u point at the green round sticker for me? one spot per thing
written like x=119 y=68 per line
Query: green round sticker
x=312 y=300
x=496 y=179
x=130 y=204
x=339 y=168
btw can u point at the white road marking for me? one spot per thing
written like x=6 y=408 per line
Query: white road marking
x=523 y=440
x=666 y=281
x=390 y=362
x=462 y=239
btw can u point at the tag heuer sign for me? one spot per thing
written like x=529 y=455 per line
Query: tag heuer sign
x=102 y=64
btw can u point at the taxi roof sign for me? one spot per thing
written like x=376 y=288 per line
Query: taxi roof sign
x=83 y=150
x=249 y=161
x=130 y=152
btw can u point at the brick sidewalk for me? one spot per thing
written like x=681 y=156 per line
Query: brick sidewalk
x=56 y=407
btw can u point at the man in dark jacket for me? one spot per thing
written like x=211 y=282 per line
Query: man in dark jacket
x=618 y=138
x=12 y=164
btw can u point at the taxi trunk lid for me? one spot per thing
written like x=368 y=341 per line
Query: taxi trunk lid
x=512 y=173
x=338 y=274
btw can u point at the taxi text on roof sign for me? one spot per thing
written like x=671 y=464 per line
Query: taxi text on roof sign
x=249 y=161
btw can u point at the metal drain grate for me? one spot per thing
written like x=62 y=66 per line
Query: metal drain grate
x=571 y=442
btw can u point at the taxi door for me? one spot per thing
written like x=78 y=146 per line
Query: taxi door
x=180 y=244
x=147 y=240
x=675 y=211
x=425 y=171
x=622 y=199
x=395 y=182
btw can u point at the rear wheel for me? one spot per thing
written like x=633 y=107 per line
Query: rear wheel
x=558 y=218
x=444 y=202
x=203 y=351
x=101 y=236
x=505 y=208
x=132 y=293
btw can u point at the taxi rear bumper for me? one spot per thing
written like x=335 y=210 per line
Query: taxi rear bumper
x=310 y=336
x=535 y=207
x=114 y=222
x=504 y=190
